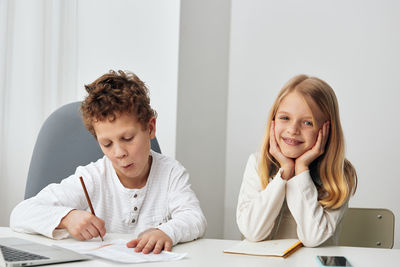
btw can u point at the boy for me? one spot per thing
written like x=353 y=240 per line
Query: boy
x=132 y=188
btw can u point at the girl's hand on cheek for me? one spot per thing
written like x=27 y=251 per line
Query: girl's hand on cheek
x=303 y=162
x=287 y=164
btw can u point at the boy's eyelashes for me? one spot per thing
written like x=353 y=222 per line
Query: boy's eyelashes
x=106 y=145
x=125 y=139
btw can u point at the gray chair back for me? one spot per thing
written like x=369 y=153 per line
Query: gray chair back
x=363 y=227
x=62 y=145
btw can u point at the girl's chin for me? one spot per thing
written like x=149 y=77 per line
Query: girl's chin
x=292 y=154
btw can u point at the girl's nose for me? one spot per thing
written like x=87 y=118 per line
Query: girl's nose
x=293 y=128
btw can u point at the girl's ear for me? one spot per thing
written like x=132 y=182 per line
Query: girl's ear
x=151 y=127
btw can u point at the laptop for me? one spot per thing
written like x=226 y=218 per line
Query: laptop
x=21 y=252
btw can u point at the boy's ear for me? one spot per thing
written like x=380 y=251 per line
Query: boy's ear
x=151 y=127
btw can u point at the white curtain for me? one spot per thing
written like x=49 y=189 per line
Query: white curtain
x=38 y=73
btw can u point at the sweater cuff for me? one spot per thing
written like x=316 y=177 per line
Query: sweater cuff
x=277 y=180
x=302 y=181
x=304 y=185
x=169 y=231
x=59 y=233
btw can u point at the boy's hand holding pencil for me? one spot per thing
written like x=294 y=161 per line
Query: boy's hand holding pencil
x=83 y=225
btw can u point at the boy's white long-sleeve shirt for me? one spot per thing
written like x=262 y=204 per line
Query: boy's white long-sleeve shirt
x=166 y=202
x=285 y=209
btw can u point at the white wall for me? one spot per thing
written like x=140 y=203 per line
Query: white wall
x=18 y=92
x=202 y=103
x=139 y=36
x=31 y=73
x=354 y=46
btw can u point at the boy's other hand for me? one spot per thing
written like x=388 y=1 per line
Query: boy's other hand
x=83 y=225
x=151 y=240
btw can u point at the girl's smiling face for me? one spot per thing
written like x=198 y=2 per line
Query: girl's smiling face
x=295 y=131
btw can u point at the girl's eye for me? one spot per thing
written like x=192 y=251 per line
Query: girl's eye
x=285 y=118
x=308 y=123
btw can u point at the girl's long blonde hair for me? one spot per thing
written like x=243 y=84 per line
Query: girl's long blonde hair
x=337 y=174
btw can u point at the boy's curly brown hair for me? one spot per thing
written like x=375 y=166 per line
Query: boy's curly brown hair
x=113 y=94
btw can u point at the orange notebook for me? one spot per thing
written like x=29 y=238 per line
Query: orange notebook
x=270 y=248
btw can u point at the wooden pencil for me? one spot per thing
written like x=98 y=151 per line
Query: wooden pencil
x=88 y=200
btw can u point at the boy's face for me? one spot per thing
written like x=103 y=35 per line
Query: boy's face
x=127 y=145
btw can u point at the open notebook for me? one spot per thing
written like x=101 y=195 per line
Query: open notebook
x=271 y=248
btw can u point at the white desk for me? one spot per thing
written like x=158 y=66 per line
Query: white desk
x=208 y=253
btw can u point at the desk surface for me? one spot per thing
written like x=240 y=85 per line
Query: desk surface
x=208 y=253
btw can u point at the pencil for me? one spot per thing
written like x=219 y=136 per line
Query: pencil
x=89 y=202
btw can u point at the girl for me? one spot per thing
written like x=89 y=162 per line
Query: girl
x=300 y=184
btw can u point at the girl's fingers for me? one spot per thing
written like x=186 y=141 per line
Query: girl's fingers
x=272 y=134
x=318 y=143
x=286 y=163
x=317 y=149
x=272 y=140
x=326 y=134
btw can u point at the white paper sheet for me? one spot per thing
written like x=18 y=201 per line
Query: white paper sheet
x=116 y=250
